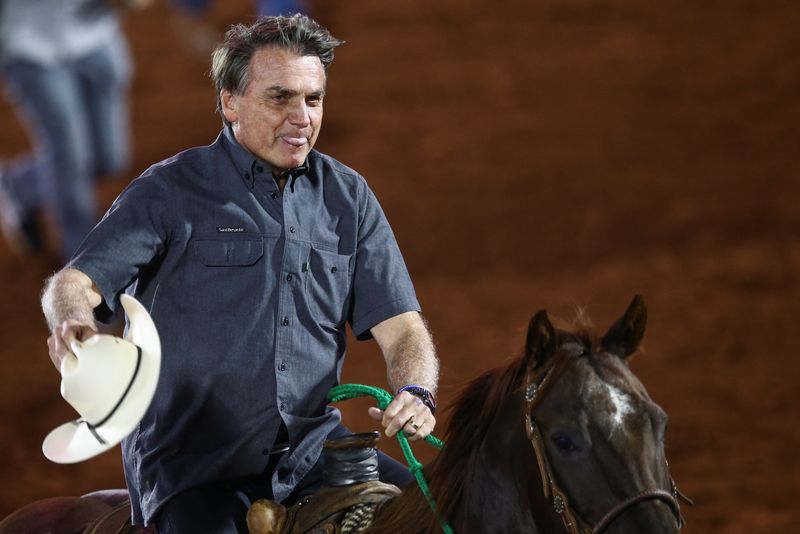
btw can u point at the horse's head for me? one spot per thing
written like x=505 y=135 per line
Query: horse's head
x=599 y=437
x=593 y=457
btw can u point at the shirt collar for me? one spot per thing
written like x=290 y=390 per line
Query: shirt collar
x=248 y=166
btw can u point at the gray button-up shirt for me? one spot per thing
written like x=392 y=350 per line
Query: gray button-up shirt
x=250 y=289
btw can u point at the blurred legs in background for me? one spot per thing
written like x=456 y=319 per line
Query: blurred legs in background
x=77 y=116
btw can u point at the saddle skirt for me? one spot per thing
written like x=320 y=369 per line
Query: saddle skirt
x=117 y=521
x=331 y=510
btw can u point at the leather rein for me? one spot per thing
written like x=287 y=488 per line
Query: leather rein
x=573 y=523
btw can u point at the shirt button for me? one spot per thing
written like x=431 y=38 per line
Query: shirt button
x=247 y=175
x=291 y=229
x=282 y=366
x=274 y=195
x=334 y=269
x=259 y=168
x=285 y=321
x=288 y=277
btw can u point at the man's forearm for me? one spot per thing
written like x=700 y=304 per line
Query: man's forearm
x=412 y=359
x=69 y=294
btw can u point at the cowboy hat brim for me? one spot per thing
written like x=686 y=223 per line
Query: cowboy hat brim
x=76 y=441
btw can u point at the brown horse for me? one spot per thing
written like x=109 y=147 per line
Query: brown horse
x=563 y=438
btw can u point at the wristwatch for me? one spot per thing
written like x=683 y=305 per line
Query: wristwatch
x=424 y=395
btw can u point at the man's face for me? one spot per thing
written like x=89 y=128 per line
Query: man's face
x=280 y=113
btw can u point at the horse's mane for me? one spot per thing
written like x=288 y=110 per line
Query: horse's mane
x=472 y=411
x=448 y=474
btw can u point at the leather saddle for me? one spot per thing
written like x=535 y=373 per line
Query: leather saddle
x=347 y=501
x=349 y=497
x=320 y=513
x=117 y=521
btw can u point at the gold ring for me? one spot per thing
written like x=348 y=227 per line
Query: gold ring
x=413 y=424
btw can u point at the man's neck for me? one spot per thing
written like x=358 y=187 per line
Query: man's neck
x=281 y=180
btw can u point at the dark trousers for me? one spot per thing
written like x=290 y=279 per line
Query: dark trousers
x=221 y=507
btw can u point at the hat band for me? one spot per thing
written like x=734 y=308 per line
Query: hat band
x=93 y=427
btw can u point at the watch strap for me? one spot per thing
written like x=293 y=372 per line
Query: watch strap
x=423 y=393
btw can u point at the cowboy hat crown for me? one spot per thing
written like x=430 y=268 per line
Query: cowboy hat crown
x=96 y=375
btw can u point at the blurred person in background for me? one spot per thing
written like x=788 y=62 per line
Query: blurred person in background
x=192 y=25
x=65 y=66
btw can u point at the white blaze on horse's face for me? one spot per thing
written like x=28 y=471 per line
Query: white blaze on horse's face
x=621 y=406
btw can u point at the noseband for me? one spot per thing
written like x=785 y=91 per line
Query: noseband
x=573 y=523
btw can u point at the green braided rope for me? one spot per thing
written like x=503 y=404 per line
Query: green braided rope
x=351 y=391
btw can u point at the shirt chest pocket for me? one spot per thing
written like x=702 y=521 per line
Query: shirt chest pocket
x=227 y=252
x=329 y=285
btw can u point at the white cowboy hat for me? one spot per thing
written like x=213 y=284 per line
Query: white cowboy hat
x=110 y=382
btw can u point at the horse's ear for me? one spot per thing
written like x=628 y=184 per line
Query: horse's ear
x=624 y=336
x=541 y=341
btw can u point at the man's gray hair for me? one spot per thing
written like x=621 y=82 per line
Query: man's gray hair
x=230 y=63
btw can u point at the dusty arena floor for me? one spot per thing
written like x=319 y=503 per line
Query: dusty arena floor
x=531 y=155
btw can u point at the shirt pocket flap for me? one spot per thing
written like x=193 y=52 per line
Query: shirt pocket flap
x=327 y=264
x=224 y=252
x=329 y=285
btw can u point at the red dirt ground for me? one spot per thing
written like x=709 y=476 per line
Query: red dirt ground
x=532 y=155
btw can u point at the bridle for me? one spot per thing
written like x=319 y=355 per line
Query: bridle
x=573 y=523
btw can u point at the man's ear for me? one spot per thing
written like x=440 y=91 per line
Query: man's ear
x=230 y=105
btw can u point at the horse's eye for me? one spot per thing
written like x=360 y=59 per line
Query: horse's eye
x=563 y=443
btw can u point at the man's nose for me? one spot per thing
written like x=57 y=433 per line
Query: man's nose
x=298 y=114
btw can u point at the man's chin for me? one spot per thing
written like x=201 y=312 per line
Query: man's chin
x=295 y=161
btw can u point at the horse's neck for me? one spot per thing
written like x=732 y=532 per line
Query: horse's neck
x=501 y=492
x=491 y=501
x=504 y=480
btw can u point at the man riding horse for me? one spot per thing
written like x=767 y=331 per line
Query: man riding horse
x=251 y=254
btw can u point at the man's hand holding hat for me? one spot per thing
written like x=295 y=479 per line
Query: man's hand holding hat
x=108 y=380
x=60 y=341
